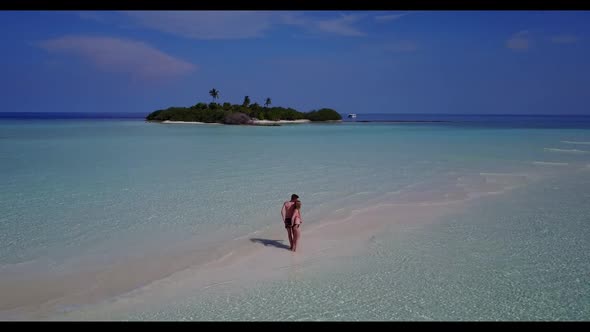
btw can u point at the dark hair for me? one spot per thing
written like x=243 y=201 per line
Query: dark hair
x=294 y=196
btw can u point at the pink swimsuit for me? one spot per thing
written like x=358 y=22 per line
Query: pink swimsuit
x=297 y=217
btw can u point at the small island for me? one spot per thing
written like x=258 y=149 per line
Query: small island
x=245 y=114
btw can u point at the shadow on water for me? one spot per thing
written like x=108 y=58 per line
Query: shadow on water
x=273 y=243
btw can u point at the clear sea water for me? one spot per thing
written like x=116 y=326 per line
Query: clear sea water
x=100 y=190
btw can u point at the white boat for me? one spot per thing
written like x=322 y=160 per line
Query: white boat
x=352 y=116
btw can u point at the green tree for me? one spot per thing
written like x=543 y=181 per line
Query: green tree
x=267 y=102
x=214 y=93
x=246 y=101
x=324 y=114
x=199 y=106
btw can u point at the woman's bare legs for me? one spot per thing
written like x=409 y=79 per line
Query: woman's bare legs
x=296 y=235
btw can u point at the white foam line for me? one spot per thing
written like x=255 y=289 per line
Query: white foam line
x=321 y=193
x=280 y=121
x=362 y=193
x=500 y=174
x=549 y=163
x=572 y=142
x=567 y=150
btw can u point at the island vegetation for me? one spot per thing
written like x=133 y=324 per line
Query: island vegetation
x=245 y=113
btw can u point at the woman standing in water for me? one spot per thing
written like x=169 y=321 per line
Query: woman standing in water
x=297 y=221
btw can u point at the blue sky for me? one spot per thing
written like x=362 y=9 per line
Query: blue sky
x=471 y=62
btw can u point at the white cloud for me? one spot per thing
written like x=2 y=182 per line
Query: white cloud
x=520 y=41
x=206 y=24
x=341 y=26
x=121 y=55
x=388 y=18
x=564 y=39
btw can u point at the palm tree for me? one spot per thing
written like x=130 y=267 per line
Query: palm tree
x=246 y=101
x=267 y=102
x=214 y=93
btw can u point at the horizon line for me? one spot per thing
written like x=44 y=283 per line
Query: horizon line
x=463 y=114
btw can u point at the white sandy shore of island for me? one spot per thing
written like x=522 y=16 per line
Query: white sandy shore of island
x=253 y=122
x=280 y=121
x=189 y=122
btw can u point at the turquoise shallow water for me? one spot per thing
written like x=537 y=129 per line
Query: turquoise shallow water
x=81 y=193
x=521 y=256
